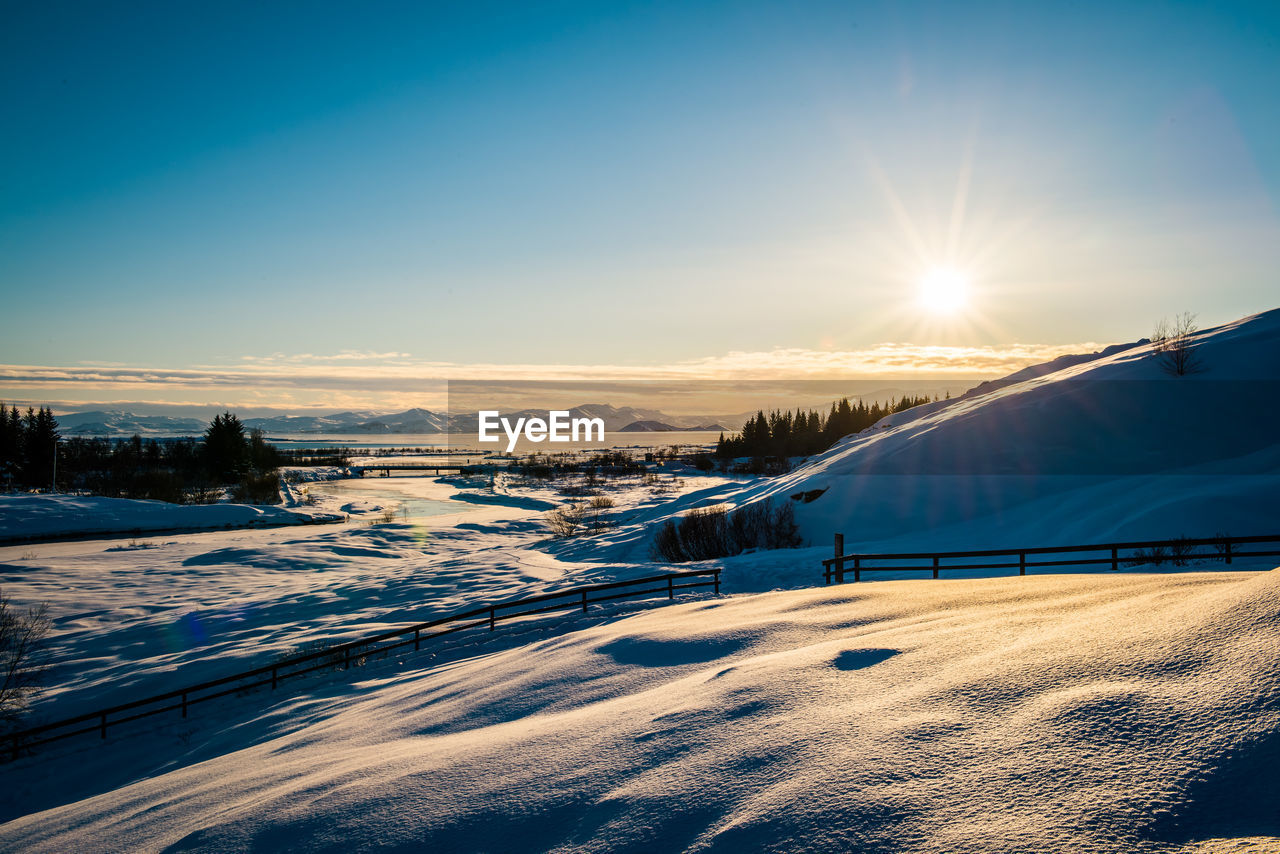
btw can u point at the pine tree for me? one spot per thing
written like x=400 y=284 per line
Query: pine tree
x=10 y=444
x=40 y=443
x=226 y=450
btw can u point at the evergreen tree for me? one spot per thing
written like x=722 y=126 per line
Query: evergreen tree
x=10 y=445
x=226 y=450
x=40 y=443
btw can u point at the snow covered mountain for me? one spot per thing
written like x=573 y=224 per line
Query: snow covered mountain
x=115 y=422
x=410 y=421
x=338 y=422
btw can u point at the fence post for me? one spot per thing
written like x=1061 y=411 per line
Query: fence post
x=493 y=619
x=671 y=588
x=584 y=601
x=1022 y=563
x=1227 y=552
x=857 y=568
x=717 y=578
x=935 y=566
x=839 y=558
x=1115 y=559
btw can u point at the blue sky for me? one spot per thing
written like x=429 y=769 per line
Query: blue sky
x=407 y=192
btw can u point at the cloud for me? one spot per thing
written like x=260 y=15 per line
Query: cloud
x=365 y=379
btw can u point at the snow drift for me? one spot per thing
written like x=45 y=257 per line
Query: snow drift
x=1061 y=713
x=36 y=517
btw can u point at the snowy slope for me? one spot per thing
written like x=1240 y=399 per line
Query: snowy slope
x=1118 y=713
x=1136 y=451
x=30 y=516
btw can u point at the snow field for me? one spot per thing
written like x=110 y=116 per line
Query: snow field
x=1058 y=713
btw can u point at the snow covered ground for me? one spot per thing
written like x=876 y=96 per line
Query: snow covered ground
x=37 y=517
x=132 y=614
x=1134 y=711
x=1065 y=713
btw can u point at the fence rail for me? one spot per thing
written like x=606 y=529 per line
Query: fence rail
x=341 y=655
x=1178 y=551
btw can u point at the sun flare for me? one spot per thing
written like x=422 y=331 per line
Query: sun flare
x=943 y=291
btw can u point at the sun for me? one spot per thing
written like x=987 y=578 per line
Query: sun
x=943 y=291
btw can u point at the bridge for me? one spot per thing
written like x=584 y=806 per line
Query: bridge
x=388 y=468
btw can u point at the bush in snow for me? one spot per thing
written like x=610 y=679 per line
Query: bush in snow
x=1179 y=553
x=327 y=657
x=567 y=521
x=1174 y=344
x=712 y=532
x=21 y=633
x=203 y=494
x=595 y=512
x=258 y=489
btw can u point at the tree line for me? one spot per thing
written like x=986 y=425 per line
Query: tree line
x=782 y=434
x=27 y=446
x=181 y=471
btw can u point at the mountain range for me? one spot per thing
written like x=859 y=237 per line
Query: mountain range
x=115 y=422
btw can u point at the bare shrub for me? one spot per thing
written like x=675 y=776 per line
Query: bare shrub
x=21 y=636
x=133 y=545
x=595 y=512
x=1174 y=344
x=202 y=495
x=1182 y=552
x=566 y=521
x=712 y=532
x=1179 y=553
x=704 y=534
x=666 y=543
x=1220 y=549
x=1154 y=556
x=763 y=525
x=258 y=489
x=327 y=657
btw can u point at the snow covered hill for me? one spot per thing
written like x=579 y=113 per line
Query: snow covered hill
x=1117 y=713
x=39 y=517
x=1107 y=447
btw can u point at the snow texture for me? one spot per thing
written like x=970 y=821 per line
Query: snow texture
x=1065 y=713
x=31 y=517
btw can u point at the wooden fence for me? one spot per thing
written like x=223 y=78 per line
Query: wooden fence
x=341 y=655
x=1178 y=552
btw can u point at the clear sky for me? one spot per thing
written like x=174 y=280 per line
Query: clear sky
x=332 y=204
